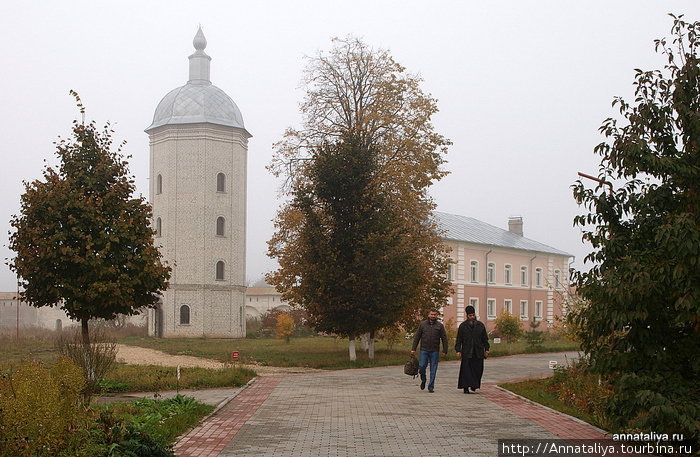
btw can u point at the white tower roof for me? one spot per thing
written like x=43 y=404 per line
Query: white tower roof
x=199 y=100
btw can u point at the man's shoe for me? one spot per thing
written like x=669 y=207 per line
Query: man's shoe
x=466 y=391
x=473 y=389
x=431 y=391
x=422 y=385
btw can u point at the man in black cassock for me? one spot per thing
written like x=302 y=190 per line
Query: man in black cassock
x=472 y=348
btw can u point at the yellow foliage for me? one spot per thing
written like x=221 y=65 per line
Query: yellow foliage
x=285 y=326
x=42 y=413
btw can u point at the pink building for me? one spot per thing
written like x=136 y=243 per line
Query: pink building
x=499 y=271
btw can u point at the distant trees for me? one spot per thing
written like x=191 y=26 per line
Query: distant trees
x=356 y=244
x=639 y=320
x=82 y=240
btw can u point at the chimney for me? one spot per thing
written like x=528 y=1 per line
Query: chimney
x=515 y=225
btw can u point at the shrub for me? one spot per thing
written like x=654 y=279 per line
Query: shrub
x=94 y=359
x=284 y=326
x=508 y=327
x=534 y=337
x=41 y=411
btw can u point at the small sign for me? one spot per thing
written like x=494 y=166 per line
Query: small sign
x=553 y=364
x=496 y=340
x=235 y=355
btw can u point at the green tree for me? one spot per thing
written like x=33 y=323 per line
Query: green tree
x=508 y=326
x=82 y=240
x=639 y=319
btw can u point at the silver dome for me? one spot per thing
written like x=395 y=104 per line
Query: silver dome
x=198 y=101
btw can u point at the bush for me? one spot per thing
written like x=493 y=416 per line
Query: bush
x=41 y=411
x=508 y=327
x=576 y=386
x=148 y=378
x=94 y=360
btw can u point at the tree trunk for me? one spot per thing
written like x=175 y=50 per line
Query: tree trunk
x=85 y=332
x=370 y=349
x=365 y=341
x=87 y=352
x=351 y=348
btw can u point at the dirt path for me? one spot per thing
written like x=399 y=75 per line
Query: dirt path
x=135 y=355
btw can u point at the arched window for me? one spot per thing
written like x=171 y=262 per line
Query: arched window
x=474 y=271
x=159 y=184
x=221 y=182
x=523 y=276
x=508 y=274
x=184 y=315
x=220 y=270
x=491 y=273
x=220 y=226
x=159 y=228
x=538 y=277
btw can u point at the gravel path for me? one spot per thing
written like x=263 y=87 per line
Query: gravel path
x=135 y=355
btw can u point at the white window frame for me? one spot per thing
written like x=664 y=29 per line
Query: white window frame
x=508 y=306
x=523 y=276
x=539 y=306
x=474 y=301
x=508 y=274
x=474 y=271
x=523 y=316
x=450 y=272
x=491 y=273
x=538 y=277
x=490 y=308
x=557 y=279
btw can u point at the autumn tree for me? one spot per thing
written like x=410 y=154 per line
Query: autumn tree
x=82 y=240
x=638 y=321
x=285 y=326
x=356 y=243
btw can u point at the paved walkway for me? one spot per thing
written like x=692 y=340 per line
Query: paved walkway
x=380 y=412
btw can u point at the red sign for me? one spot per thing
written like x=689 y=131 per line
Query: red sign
x=234 y=355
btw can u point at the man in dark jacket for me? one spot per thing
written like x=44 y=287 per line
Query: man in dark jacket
x=429 y=333
x=472 y=346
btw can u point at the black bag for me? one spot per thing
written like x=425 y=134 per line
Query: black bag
x=411 y=366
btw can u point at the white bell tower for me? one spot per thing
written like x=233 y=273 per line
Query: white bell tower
x=198 y=155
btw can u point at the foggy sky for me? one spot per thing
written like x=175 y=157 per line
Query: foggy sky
x=522 y=87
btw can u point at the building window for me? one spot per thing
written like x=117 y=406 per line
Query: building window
x=491 y=273
x=523 y=310
x=475 y=303
x=184 y=315
x=159 y=228
x=491 y=308
x=220 y=270
x=508 y=306
x=450 y=272
x=523 y=276
x=159 y=184
x=220 y=226
x=538 y=277
x=557 y=279
x=221 y=182
x=508 y=275
x=538 y=310
x=474 y=271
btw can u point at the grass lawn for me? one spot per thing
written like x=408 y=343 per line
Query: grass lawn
x=314 y=352
x=536 y=390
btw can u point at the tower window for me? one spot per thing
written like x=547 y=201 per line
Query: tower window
x=221 y=182
x=220 y=226
x=159 y=228
x=184 y=315
x=220 y=270
x=159 y=184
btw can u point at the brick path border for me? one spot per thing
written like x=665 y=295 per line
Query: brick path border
x=556 y=423
x=211 y=437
